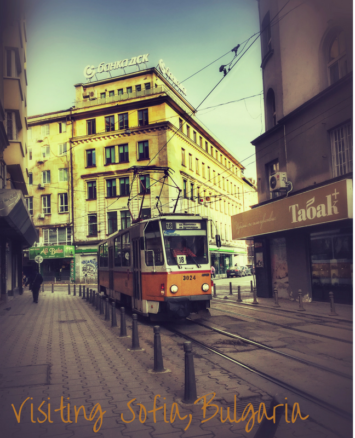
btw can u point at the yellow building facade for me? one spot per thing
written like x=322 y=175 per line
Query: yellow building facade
x=82 y=159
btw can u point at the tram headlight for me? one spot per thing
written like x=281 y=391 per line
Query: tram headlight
x=205 y=287
x=174 y=289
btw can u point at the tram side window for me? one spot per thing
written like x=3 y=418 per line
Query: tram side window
x=126 y=250
x=104 y=256
x=118 y=251
x=153 y=245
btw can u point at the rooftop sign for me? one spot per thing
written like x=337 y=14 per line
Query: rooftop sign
x=169 y=75
x=91 y=70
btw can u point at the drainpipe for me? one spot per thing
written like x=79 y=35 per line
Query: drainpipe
x=72 y=178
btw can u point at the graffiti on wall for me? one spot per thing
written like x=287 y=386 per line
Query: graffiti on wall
x=89 y=268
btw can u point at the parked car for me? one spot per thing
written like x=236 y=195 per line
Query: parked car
x=252 y=269
x=247 y=271
x=236 y=271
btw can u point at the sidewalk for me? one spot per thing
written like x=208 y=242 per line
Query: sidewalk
x=60 y=352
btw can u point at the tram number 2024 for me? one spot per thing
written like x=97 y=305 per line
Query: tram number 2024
x=189 y=277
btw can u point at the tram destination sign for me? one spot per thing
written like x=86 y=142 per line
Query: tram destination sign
x=188 y=225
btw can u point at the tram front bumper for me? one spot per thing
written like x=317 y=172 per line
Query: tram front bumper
x=183 y=306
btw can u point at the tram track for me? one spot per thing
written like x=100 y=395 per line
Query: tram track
x=283 y=326
x=282 y=384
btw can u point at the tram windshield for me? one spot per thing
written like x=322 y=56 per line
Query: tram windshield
x=186 y=250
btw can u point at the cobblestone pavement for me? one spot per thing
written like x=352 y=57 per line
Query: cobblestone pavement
x=62 y=366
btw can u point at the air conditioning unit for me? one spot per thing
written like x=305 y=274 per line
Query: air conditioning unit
x=40 y=161
x=278 y=181
x=41 y=186
x=92 y=95
x=39 y=139
x=41 y=216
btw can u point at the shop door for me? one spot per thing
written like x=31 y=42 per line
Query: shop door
x=137 y=284
x=279 y=267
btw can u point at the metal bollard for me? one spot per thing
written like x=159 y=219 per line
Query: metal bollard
x=107 y=313
x=190 y=394
x=254 y=293
x=123 y=330
x=267 y=428
x=52 y=288
x=332 y=306
x=230 y=288
x=90 y=296
x=158 y=355
x=276 y=295
x=135 y=339
x=97 y=302
x=79 y=290
x=113 y=315
x=251 y=286
x=301 y=308
x=87 y=294
x=74 y=290
x=93 y=302
x=68 y=288
x=239 y=300
x=83 y=293
x=214 y=290
x=101 y=305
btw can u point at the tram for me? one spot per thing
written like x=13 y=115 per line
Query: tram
x=160 y=267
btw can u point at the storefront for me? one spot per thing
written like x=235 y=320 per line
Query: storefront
x=58 y=262
x=224 y=257
x=303 y=242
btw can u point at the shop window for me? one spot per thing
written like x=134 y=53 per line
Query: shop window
x=123 y=121
x=63 y=203
x=144 y=186
x=111 y=222
x=110 y=155
x=124 y=186
x=91 y=126
x=337 y=59
x=63 y=175
x=29 y=203
x=109 y=123
x=143 y=150
x=46 y=204
x=342 y=153
x=91 y=190
x=123 y=153
x=111 y=188
x=92 y=224
x=143 y=117
x=90 y=158
x=46 y=177
x=153 y=245
x=62 y=149
x=125 y=219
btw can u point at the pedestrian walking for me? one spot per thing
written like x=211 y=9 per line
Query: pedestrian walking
x=213 y=272
x=34 y=281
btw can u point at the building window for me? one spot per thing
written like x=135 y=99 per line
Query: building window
x=144 y=186
x=203 y=170
x=46 y=204
x=29 y=203
x=181 y=123
x=188 y=130
x=30 y=154
x=337 y=61
x=183 y=158
x=212 y=151
x=129 y=89
x=123 y=121
x=111 y=188
x=209 y=173
x=45 y=130
x=29 y=133
x=125 y=219
x=123 y=153
x=120 y=91
x=192 y=192
x=110 y=155
x=197 y=164
x=46 y=177
x=30 y=179
x=57 y=236
x=138 y=87
x=92 y=224
x=111 y=222
x=143 y=117
x=45 y=151
x=124 y=186
x=147 y=85
x=143 y=150
x=11 y=68
x=90 y=158
x=63 y=175
x=91 y=189
x=185 y=188
x=91 y=126
x=270 y=109
x=194 y=137
x=206 y=146
x=102 y=95
x=190 y=161
x=266 y=35
x=111 y=93
x=62 y=149
x=341 y=144
x=11 y=126
x=63 y=203
x=109 y=123
x=62 y=127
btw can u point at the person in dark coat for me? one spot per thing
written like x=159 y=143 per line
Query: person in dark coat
x=34 y=280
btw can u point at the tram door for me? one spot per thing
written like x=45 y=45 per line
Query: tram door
x=137 y=284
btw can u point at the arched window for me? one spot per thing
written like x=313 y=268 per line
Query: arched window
x=270 y=109
x=337 y=60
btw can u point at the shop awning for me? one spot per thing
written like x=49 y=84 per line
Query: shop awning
x=330 y=203
x=15 y=222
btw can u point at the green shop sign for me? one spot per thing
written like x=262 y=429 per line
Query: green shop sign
x=52 y=252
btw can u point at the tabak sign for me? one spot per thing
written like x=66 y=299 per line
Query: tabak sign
x=52 y=252
x=91 y=70
x=329 y=203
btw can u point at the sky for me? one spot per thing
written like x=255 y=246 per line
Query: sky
x=63 y=37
